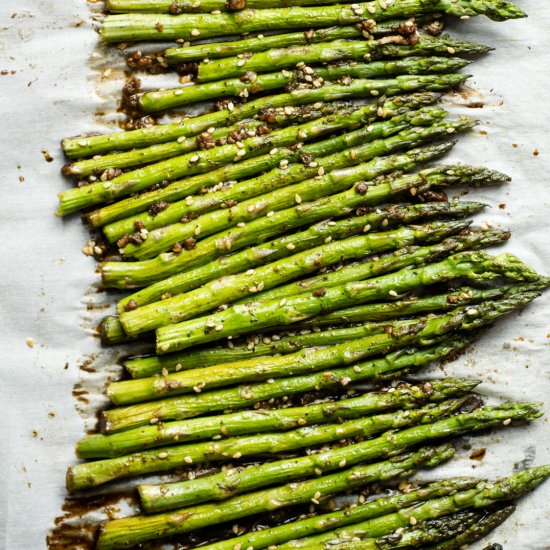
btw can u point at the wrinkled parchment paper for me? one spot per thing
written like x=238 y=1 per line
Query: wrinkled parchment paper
x=50 y=88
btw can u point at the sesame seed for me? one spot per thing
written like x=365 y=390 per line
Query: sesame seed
x=188 y=460
x=302 y=421
x=290 y=246
x=450 y=130
x=241 y=62
x=413 y=191
x=230 y=106
x=163 y=455
x=237 y=455
x=283 y=164
x=282 y=302
x=249 y=272
x=154 y=420
x=251 y=207
x=328 y=239
x=357 y=368
x=164 y=371
x=412 y=520
x=374 y=92
x=286 y=73
x=197 y=230
x=241 y=153
x=342 y=463
x=195 y=32
x=195 y=158
x=270 y=213
x=371 y=8
x=393 y=293
x=472 y=311
x=297 y=198
x=165 y=347
x=179 y=366
x=321 y=171
x=451 y=50
x=181 y=139
x=218 y=328
x=273 y=151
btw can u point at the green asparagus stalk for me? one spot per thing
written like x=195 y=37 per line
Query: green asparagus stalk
x=92 y=474
x=400 y=308
x=186 y=6
x=182 y=145
x=196 y=163
x=401 y=259
x=240 y=423
x=372 y=509
x=235 y=398
x=317 y=359
x=325 y=52
x=85 y=146
x=162 y=100
x=231 y=288
x=317 y=234
x=338 y=151
x=397 y=467
x=478 y=531
x=237 y=319
x=483 y=496
x=426 y=532
x=248 y=168
x=138 y=529
x=134 y=27
x=216 y=50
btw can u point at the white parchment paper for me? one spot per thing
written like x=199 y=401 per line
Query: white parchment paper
x=46 y=285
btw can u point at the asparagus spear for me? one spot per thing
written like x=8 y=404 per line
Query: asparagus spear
x=133 y=26
x=243 y=128
x=317 y=359
x=216 y=50
x=478 y=531
x=474 y=239
x=84 y=146
x=325 y=52
x=313 y=236
x=235 y=398
x=483 y=496
x=396 y=467
x=240 y=423
x=162 y=100
x=138 y=529
x=426 y=532
x=242 y=319
x=230 y=288
x=92 y=474
x=338 y=154
x=399 y=308
x=253 y=166
x=378 y=314
x=196 y=163
x=372 y=509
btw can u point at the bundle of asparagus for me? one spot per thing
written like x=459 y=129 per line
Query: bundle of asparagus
x=305 y=233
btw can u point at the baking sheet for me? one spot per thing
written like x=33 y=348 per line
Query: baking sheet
x=53 y=89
